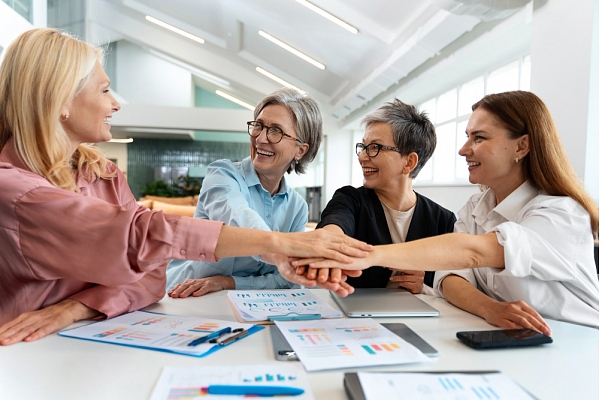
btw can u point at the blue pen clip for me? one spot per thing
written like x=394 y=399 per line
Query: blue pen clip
x=294 y=316
x=213 y=335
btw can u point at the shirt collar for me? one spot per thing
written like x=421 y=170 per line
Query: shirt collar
x=508 y=208
x=511 y=205
x=252 y=179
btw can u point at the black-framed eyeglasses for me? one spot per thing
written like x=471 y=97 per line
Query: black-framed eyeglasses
x=373 y=149
x=274 y=134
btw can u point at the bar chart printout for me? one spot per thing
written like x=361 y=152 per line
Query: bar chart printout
x=450 y=386
x=326 y=344
x=187 y=383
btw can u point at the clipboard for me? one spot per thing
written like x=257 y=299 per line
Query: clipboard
x=157 y=331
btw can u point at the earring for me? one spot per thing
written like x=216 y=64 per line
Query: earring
x=64 y=117
x=517 y=160
x=297 y=161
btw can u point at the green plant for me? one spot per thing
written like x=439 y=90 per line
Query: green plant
x=183 y=186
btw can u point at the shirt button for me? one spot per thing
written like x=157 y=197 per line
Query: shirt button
x=182 y=252
x=202 y=256
x=268 y=215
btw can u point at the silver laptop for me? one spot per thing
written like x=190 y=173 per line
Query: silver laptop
x=367 y=303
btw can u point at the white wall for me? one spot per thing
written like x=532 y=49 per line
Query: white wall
x=561 y=56
x=11 y=25
x=149 y=80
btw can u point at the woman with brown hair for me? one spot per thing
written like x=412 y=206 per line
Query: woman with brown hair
x=523 y=247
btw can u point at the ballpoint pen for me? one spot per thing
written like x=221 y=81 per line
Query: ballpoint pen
x=213 y=335
x=253 y=390
x=231 y=338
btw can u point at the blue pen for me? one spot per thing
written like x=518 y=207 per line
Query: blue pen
x=213 y=335
x=254 y=390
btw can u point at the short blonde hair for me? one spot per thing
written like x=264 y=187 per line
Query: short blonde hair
x=42 y=70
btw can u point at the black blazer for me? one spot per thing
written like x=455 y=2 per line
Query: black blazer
x=360 y=215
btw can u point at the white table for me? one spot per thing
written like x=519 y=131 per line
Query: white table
x=63 y=368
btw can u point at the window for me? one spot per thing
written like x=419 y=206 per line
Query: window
x=450 y=112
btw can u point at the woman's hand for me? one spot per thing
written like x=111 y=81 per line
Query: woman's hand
x=409 y=280
x=323 y=243
x=288 y=271
x=200 y=287
x=516 y=314
x=35 y=325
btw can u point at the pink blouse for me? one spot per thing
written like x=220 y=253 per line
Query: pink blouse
x=98 y=246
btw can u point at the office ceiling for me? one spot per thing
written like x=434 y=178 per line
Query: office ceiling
x=394 y=37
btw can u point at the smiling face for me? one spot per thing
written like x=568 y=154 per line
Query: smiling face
x=271 y=160
x=490 y=154
x=385 y=171
x=90 y=111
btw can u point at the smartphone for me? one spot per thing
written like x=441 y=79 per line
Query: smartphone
x=502 y=338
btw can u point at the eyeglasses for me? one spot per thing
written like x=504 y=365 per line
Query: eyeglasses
x=274 y=134
x=373 y=149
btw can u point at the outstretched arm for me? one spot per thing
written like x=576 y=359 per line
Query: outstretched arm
x=514 y=314
x=445 y=252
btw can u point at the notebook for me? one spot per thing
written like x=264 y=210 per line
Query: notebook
x=369 y=303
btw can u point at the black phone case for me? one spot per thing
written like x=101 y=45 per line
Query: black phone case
x=536 y=340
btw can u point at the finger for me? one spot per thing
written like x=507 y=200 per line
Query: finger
x=305 y=261
x=335 y=275
x=538 y=320
x=203 y=290
x=334 y=287
x=301 y=270
x=357 y=244
x=323 y=275
x=311 y=274
x=347 y=287
x=352 y=273
x=191 y=289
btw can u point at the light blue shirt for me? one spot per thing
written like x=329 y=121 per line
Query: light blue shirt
x=232 y=193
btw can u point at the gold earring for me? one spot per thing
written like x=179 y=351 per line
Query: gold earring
x=64 y=117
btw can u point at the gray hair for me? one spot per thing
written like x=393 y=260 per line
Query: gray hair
x=412 y=130
x=308 y=121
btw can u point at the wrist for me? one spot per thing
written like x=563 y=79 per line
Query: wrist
x=79 y=310
x=227 y=283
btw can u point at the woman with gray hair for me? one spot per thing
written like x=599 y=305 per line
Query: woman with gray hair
x=284 y=137
x=397 y=143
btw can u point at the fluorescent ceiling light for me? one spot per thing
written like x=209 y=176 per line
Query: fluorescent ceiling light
x=291 y=49
x=235 y=100
x=330 y=17
x=275 y=78
x=196 y=71
x=174 y=29
x=128 y=140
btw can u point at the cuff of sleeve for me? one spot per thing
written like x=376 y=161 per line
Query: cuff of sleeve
x=517 y=251
x=466 y=274
x=109 y=301
x=243 y=283
x=196 y=239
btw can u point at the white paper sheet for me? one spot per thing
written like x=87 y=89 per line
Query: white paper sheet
x=331 y=344
x=187 y=382
x=259 y=305
x=452 y=386
x=156 y=331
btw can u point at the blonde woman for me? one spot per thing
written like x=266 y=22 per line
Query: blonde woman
x=75 y=244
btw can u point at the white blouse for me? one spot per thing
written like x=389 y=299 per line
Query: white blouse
x=548 y=253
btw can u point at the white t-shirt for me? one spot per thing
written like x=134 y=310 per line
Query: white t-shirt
x=548 y=253
x=398 y=223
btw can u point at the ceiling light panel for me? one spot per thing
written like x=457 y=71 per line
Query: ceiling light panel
x=174 y=29
x=275 y=78
x=235 y=100
x=291 y=50
x=330 y=17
